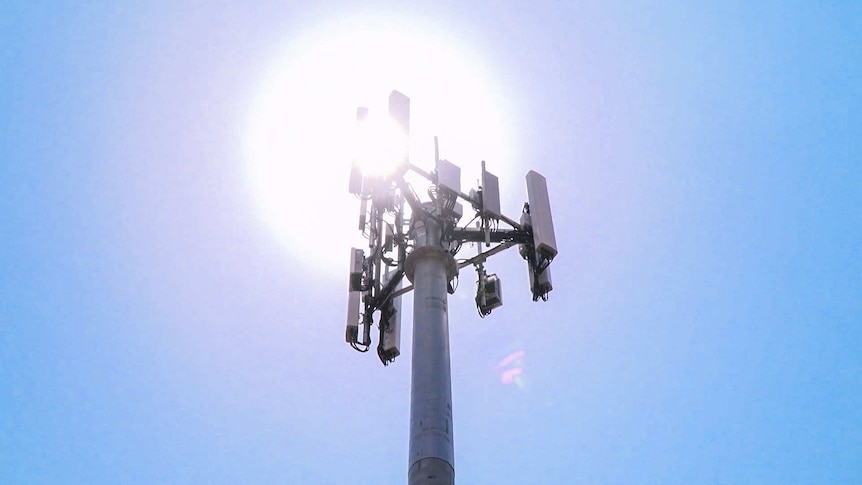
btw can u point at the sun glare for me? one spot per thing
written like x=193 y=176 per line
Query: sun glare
x=380 y=145
x=301 y=134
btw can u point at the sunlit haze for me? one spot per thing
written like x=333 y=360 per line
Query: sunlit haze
x=301 y=138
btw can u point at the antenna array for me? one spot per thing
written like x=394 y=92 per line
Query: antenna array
x=392 y=218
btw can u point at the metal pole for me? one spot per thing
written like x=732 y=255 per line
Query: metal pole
x=429 y=267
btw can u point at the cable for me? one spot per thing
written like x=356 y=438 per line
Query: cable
x=457 y=248
x=467 y=226
x=356 y=347
x=450 y=287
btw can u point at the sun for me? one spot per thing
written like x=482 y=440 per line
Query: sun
x=300 y=133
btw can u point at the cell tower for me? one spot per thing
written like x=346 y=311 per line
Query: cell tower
x=420 y=239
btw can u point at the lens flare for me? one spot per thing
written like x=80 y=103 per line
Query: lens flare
x=511 y=369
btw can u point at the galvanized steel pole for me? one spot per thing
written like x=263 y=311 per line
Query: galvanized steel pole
x=430 y=267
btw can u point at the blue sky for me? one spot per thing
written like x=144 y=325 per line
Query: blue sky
x=704 y=168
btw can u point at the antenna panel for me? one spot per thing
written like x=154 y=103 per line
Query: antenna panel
x=392 y=334
x=449 y=176
x=356 y=260
x=363 y=211
x=355 y=179
x=540 y=215
x=354 y=298
x=361 y=114
x=399 y=110
x=390 y=345
x=540 y=285
x=490 y=194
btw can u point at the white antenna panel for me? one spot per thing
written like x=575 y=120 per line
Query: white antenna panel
x=399 y=110
x=490 y=194
x=355 y=179
x=540 y=214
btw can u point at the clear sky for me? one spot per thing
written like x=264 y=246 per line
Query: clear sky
x=705 y=172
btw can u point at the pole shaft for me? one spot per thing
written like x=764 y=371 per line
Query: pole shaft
x=431 y=444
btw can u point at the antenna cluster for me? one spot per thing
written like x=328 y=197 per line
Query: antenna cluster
x=393 y=218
